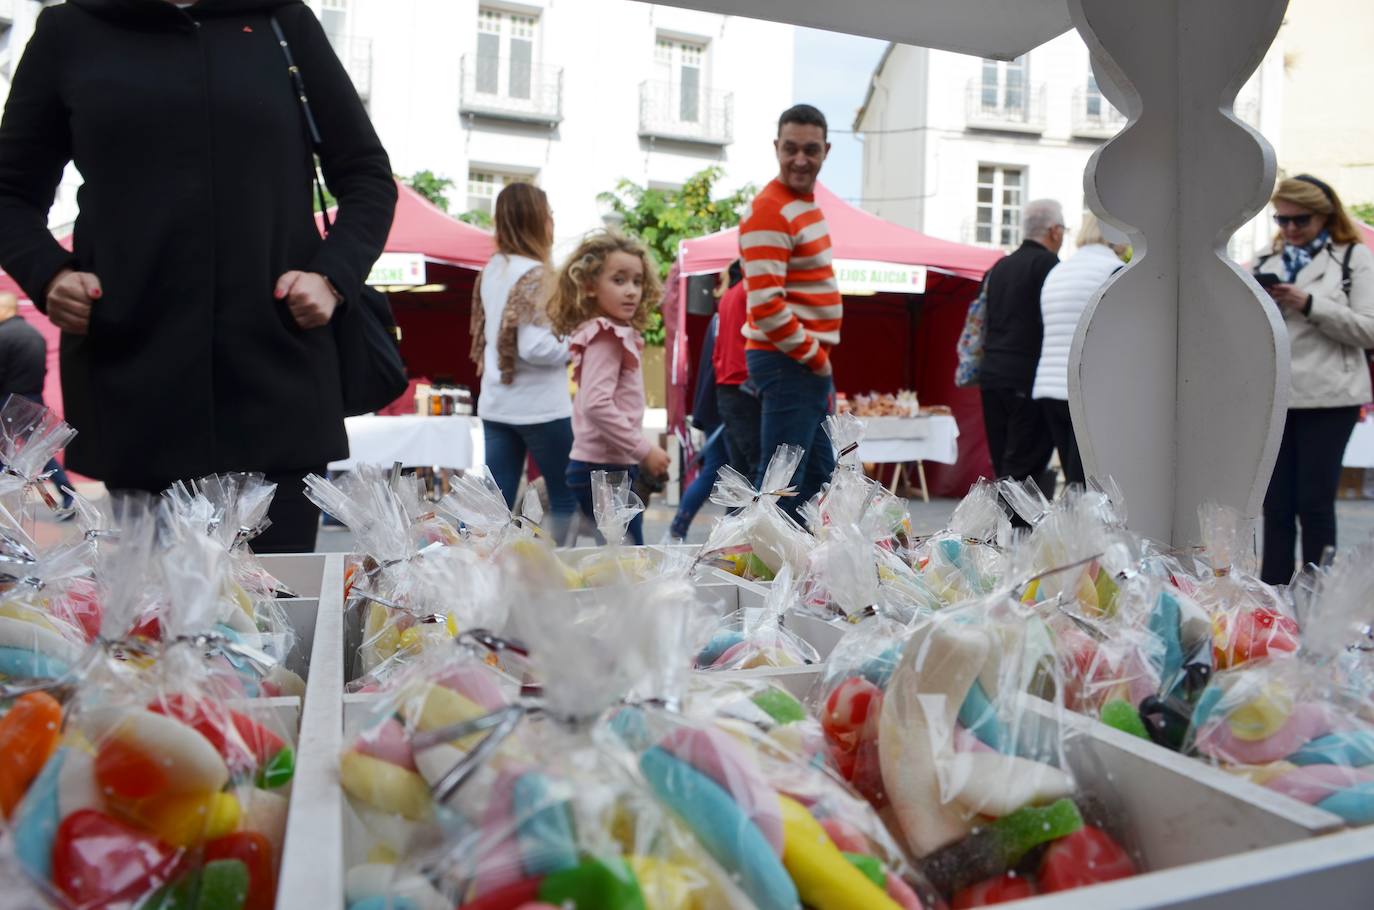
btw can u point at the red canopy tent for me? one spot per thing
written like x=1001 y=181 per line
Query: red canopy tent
x=891 y=340
x=432 y=309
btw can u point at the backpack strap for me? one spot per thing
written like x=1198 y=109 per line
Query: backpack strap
x=1345 y=269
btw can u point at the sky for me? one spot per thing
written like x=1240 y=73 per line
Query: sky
x=831 y=71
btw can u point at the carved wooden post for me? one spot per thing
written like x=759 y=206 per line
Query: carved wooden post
x=1178 y=379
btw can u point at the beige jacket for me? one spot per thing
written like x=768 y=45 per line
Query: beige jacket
x=1328 y=344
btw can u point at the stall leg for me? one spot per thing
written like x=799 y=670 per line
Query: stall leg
x=921 y=472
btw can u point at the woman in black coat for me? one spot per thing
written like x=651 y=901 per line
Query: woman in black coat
x=195 y=305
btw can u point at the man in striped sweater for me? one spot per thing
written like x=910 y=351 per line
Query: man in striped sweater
x=794 y=303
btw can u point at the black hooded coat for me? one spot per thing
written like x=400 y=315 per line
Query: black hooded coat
x=196 y=198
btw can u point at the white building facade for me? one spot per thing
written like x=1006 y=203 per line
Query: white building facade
x=573 y=95
x=954 y=146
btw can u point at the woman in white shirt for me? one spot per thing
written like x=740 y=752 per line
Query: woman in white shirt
x=525 y=405
x=1063 y=298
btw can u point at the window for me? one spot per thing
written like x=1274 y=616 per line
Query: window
x=1001 y=190
x=680 y=65
x=1004 y=85
x=1093 y=98
x=505 y=53
x=485 y=185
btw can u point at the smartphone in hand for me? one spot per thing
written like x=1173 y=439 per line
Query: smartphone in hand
x=1268 y=279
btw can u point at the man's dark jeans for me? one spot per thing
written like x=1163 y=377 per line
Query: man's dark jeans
x=739 y=411
x=794 y=403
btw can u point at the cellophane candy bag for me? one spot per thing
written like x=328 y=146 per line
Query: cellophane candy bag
x=758 y=538
x=251 y=619
x=965 y=561
x=1302 y=726
x=388 y=770
x=1250 y=620
x=554 y=811
x=614 y=505
x=48 y=614
x=162 y=793
x=971 y=745
x=410 y=555
x=744 y=776
x=30 y=436
x=751 y=639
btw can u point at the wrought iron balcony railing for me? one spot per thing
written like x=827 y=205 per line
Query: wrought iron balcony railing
x=509 y=88
x=1094 y=117
x=991 y=107
x=684 y=113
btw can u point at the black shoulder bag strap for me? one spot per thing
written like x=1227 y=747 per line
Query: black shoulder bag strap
x=372 y=373
x=1345 y=269
x=312 y=129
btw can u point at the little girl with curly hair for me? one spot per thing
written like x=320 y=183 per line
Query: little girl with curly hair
x=601 y=303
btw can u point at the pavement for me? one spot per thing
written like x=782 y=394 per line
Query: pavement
x=1354 y=517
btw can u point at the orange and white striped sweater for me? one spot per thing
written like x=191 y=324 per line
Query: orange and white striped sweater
x=794 y=300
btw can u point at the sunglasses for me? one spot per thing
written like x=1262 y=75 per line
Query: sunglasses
x=1301 y=221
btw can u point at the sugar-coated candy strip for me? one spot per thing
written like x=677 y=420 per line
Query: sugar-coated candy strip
x=723 y=829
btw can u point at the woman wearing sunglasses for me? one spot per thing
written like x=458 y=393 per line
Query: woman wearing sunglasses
x=1321 y=276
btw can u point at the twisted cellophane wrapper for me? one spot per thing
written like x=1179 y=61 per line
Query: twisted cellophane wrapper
x=758 y=538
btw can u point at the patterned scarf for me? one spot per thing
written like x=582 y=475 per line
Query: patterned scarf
x=1296 y=258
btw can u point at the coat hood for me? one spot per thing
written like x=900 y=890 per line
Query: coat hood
x=153 y=10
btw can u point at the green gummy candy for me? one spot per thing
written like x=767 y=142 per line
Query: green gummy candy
x=223 y=885
x=277 y=772
x=754 y=568
x=1119 y=714
x=781 y=706
x=1025 y=829
x=176 y=896
x=870 y=867
x=593 y=885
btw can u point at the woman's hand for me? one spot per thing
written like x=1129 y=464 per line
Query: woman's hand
x=1289 y=297
x=309 y=296
x=69 y=297
x=655 y=464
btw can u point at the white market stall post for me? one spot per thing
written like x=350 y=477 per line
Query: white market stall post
x=1179 y=372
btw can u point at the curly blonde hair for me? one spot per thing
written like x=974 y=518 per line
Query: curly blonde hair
x=573 y=303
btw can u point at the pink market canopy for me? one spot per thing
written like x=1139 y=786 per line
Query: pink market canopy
x=856 y=236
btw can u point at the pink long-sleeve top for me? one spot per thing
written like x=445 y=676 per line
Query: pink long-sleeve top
x=608 y=412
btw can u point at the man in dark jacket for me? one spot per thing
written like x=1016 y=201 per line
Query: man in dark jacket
x=1019 y=440
x=196 y=301
x=23 y=368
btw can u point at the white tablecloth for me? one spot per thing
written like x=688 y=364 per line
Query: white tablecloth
x=889 y=440
x=414 y=441
x=1360 y=452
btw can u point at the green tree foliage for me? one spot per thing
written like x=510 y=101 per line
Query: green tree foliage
x=1364 y=211
x=477 y=218
x=431 y=186
x=662 y=219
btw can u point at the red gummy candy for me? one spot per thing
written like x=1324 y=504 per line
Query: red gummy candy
x=850 y=717
x=228 y=731
x=994 y=891
x=1254 y=634
x=126 y=772
x=1086 y=857
x=97 y=860
x=255 y=852
x=81 y=604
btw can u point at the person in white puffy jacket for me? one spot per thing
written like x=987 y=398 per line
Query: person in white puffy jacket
x=1064 y=297
x=1321 y=275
